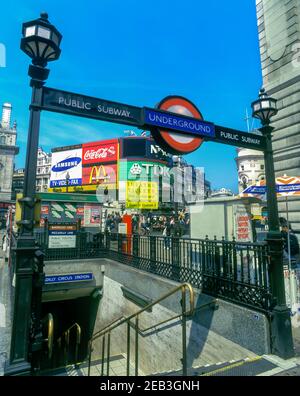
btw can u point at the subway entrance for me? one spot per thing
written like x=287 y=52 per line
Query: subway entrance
x=68 y=324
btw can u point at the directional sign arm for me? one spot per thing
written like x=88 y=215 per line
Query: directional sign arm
x=239 y=139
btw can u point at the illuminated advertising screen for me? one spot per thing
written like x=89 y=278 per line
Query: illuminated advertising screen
x=143 y=170
x=101 y=174
x=141 y=195
x=67 y=162
x=100 y=152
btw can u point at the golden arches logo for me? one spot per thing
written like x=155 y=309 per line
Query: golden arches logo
x=98 y=173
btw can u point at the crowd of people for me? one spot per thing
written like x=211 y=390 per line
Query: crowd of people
x=152 y=224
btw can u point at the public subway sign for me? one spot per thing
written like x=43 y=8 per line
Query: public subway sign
x=66 y=278
x=176 y=124
x=89 y=107
x=238 y=138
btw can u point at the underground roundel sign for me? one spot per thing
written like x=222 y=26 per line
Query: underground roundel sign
x=175 y=142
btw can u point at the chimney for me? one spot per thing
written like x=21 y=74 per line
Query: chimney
x=6 y=114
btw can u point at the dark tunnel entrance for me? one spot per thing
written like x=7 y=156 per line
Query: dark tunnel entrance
x=74 y=321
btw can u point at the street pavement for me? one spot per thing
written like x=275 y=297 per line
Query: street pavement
x=5 y=310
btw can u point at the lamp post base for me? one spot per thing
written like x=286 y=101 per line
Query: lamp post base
x=281 y=330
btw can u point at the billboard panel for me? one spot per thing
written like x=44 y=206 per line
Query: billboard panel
x=100 y=152
x=63 y=163
x=141 y=195
x=143 y=170
x=104 y=175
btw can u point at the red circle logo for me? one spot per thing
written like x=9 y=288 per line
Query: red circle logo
x=176 y=142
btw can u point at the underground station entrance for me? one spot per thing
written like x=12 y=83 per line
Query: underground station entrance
x=69 y=313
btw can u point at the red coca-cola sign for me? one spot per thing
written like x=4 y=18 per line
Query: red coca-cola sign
x=99 y=152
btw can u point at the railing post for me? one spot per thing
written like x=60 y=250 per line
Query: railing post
x=128 y=349
x=108 y=353
x=136 y=346
x=184 y=352
x=153 y=253
x=135 y=245
x=107 y=241
x=120 y=240
x=103 y=355
x=90 y=357
x=175 y=259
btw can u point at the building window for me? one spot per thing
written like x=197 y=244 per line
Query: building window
x=242 y=167
x=262 y=167
x=2 y=139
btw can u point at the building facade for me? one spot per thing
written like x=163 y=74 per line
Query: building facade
x=133 y=171
x=43 y=170
x=279 y=40
x=250 y=166
x=18 y=182
x=8 y=150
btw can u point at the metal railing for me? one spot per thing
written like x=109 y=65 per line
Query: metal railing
x=88 y=245
x=64 y=340
x=48 y=322
x=128 y=320
x=235 y=271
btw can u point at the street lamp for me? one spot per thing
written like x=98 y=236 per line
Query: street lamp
x=67 y=181
x=282 y=342
x=40 y=42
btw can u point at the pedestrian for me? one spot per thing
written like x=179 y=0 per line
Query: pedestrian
x=289 y=238
x=167 y=235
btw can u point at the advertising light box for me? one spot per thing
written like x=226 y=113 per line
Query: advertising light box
x=63 y=163
x=100 y=152
x=101 y=174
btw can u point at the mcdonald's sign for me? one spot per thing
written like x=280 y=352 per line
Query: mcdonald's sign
x=99 y=174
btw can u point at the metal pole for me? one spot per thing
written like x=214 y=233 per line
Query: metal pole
x=26 y=331
x=281 y=331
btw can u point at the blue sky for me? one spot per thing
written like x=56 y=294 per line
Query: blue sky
x=138 y=52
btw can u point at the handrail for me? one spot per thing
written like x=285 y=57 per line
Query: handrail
x=121 y=320
x=100 y=333
x=66 y=335
x=50 y=338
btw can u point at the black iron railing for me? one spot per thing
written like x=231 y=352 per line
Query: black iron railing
x=235 y=271
x=231 y=270
x=87 y=245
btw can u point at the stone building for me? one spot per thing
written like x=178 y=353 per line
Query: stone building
x=8 y=150
x=43 y=170
x=279 y=40
x=250 y=167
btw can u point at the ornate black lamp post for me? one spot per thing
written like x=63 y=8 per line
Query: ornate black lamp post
x=40 y=42
x=282 y=342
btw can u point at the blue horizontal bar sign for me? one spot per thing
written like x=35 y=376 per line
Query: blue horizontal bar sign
x=88 y=276
x=169 y=121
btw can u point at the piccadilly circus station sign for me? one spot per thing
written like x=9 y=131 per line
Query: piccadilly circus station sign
x=176 y=123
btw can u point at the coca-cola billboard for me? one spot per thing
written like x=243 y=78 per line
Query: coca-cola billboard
x=99 y=152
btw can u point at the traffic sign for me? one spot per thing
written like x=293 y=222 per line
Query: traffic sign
x=177 y=134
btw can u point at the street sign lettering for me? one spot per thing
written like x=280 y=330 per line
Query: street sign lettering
x=181 y=132
x=89 y=107
x=49 y=279
x=178 y=123
x=239 y=139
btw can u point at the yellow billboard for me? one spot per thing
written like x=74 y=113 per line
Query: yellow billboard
x=141 y=195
